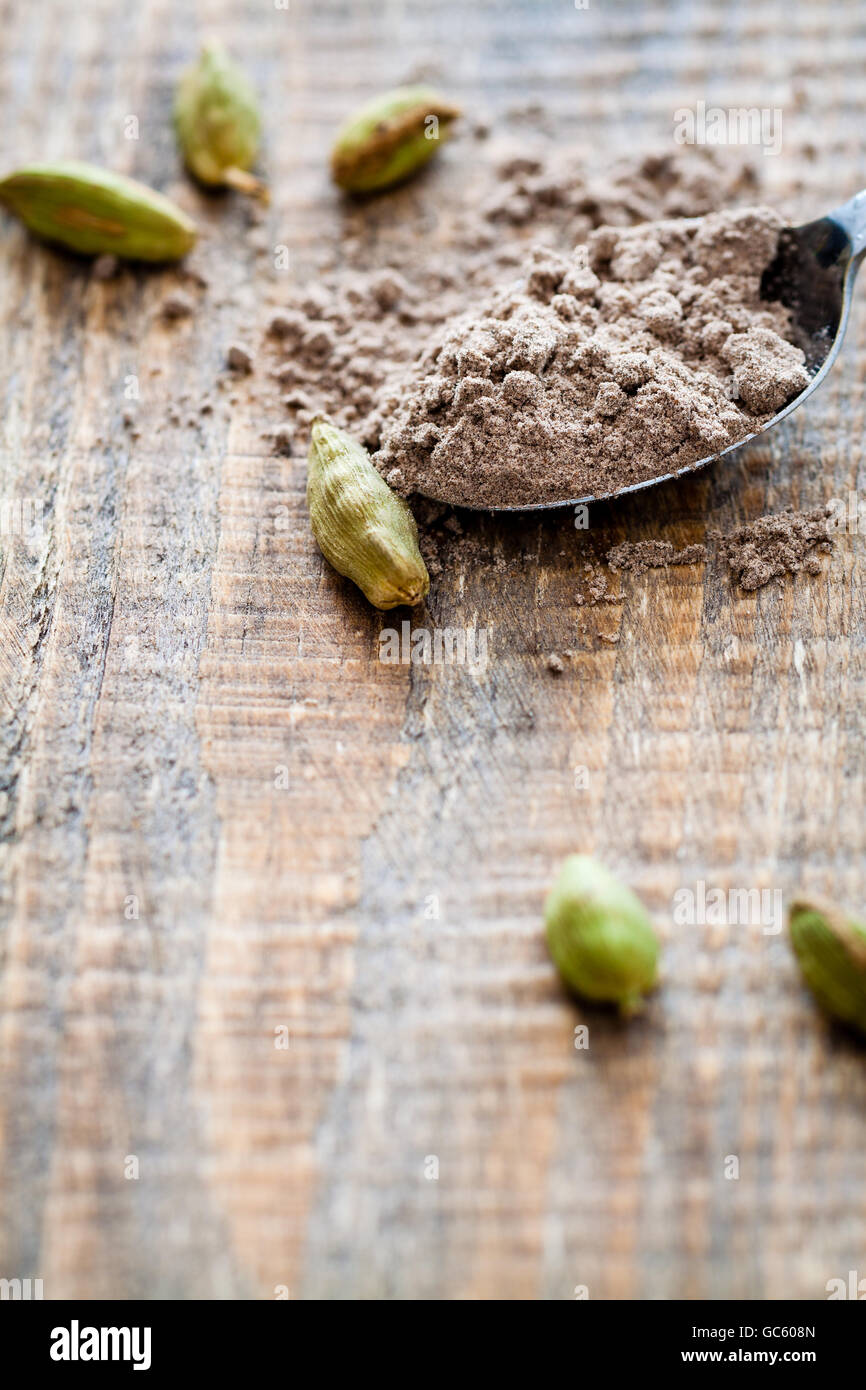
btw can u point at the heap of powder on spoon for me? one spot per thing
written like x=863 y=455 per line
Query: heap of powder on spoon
x=645 y=350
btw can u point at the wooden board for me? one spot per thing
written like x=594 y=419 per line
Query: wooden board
x=172 y=899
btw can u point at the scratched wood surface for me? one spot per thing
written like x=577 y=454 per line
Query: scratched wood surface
x=169 y=901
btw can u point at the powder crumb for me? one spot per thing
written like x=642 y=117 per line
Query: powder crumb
x=555 y=664
x=195 y=276
x=638 y=556
x=594 y=588
x=288 y=325
x=104 y=267
x=774 y=546
x=239 y=358
x=597 y=587
x=177 y=305
x=281 y=438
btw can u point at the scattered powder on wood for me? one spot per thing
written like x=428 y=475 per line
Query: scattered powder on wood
x=281 y=438
x=597 y=591
x=639 y=556
x=177 y=305
x=774 y=546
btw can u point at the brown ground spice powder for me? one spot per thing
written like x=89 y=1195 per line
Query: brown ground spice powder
x=367 y=316
x=639 y=556
x=774 y=546
x=642 y=352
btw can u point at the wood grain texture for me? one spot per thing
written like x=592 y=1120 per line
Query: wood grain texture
x=174 y=650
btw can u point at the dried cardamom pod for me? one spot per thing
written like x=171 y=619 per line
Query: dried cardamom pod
x=96 y=212
x=216 y=116
x=363 y=528
x=390 y=138
x=831 y=950
x=600 y=935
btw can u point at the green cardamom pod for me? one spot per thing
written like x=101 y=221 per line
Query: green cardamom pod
x=600 y=935
x=216 y=116
x=390 y=138
x=96 y=212
x=831 y=949
x=363 y=528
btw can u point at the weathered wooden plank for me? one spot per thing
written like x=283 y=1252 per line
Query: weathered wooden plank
x=195 y=718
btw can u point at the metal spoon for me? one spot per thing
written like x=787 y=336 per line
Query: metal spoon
x=813 y=276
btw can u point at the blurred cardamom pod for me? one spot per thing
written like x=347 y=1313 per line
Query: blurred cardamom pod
x=390 y=138
x=96 y=212
x=216 y=116
x=600 y=935
x=831 y=949
x=363 y=528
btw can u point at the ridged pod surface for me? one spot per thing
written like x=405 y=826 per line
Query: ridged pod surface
x=218 y=124
x=390 y=138
x=363 y=528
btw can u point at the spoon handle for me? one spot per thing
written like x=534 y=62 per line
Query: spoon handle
x=852 y=216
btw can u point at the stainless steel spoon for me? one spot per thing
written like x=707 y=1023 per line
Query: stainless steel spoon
x=813 y=275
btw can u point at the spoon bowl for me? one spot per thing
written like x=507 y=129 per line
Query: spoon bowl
x=813 y=276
